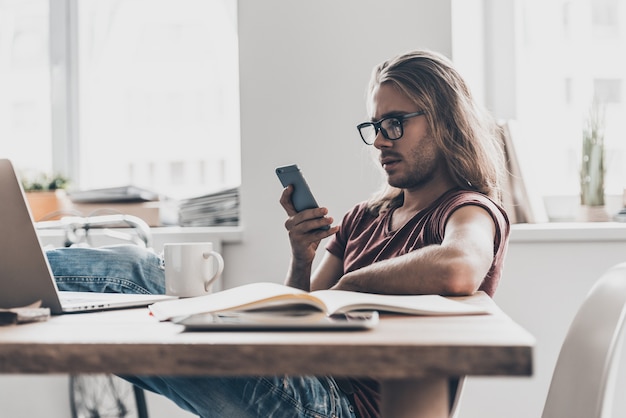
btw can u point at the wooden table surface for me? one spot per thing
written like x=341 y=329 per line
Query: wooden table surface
x=401 y=348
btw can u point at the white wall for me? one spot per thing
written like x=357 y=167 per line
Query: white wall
x=548 y=271
x=304 y=72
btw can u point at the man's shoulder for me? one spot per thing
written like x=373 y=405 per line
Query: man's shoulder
x=461 y=196
x=458 y=198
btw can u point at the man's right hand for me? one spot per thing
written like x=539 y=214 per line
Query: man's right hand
x=304 y=228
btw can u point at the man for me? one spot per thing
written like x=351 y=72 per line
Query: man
x=435 y=228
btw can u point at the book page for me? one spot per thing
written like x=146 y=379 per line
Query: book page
x=340 y=301
x=250 y=296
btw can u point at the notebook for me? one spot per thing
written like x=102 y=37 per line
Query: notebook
x=25 y=274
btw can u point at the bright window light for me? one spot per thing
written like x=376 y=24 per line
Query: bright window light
x=141 y=92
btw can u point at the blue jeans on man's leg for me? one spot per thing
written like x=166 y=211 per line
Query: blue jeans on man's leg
x=115 y=269
x=132 y=269
x=251 y=397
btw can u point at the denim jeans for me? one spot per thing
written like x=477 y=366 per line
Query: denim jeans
x=132 y=269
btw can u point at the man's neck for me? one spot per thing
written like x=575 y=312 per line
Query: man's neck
x=414 y=201
x=422 y=197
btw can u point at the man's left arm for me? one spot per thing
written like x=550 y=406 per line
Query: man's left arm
x=457 y=266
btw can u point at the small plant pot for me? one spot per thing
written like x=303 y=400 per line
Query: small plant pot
x=46 y=205
x=593 y=214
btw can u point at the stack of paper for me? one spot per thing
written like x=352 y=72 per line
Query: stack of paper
x=215 y=209
x=127 y=200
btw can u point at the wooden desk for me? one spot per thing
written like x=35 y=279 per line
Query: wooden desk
x=411 y=355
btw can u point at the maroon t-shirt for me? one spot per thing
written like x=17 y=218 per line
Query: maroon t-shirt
x=364 y=239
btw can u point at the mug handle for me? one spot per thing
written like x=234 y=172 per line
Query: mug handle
x=208 y=281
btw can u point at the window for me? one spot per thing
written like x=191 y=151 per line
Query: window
x=545 y=63
x=25 y=123
x=579 y=44
x=144 y=92
x=608 y=91
x=605 y=20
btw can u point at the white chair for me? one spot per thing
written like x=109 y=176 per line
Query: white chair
x=584 y=376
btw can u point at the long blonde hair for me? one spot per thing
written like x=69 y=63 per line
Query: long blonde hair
x=465 y=133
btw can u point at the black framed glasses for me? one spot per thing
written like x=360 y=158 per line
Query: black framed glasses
x=391 y=127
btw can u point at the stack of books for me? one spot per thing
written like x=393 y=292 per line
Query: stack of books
x=215 y=209
x=127 y=200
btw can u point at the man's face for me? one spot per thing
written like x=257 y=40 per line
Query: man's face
x=412 y=161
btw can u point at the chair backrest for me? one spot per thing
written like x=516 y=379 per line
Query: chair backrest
x=584 y=376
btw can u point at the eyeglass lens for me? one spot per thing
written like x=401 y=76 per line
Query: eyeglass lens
x=391 y=129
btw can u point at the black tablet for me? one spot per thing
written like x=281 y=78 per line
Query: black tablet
x=277 y=320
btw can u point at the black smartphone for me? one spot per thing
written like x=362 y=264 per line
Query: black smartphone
x=302 y=198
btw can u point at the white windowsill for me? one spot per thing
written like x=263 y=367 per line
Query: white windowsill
x=520 y=233
x=160 y=235
x=227 y=234
x=568 y=232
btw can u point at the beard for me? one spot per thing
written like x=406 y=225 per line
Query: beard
x=421 y=168
x=417 y=181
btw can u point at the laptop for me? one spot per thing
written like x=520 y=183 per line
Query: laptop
x=25 y=274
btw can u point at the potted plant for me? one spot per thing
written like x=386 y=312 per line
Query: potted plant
x=46 y=195
x=592 y=168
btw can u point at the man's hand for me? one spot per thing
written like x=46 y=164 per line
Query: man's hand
x=304 y=230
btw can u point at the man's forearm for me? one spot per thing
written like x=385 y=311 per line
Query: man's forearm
x=431 y=270
x=299 y=275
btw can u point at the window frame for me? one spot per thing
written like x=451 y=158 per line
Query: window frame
x=64 y=85
x=67 y=144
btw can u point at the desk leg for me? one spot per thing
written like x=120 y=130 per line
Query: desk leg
x=415 y=398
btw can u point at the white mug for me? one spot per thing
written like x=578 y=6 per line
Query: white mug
x=190 y=268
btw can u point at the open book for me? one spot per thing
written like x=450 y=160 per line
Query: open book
x=272 y=295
